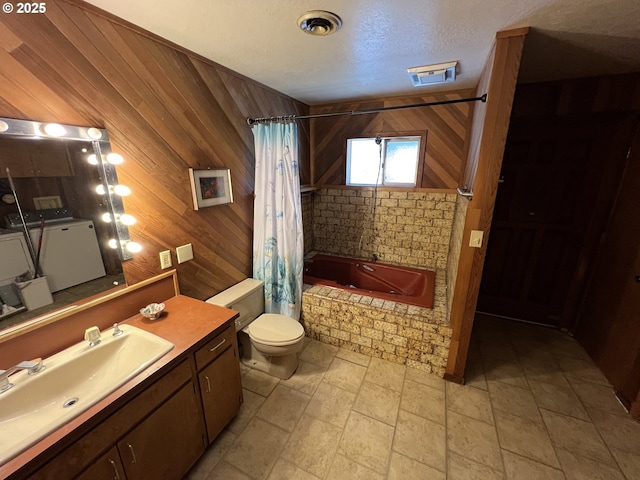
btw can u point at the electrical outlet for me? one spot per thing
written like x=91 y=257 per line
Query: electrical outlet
x=184 y=253
x=165 y=259
x=475 y=239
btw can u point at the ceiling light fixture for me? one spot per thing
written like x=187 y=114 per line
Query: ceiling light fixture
x=319 y=22
x=433 y=74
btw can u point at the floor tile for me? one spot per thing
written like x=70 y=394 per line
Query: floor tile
x=212 y=456
x=225 y=471
x=577 y=467
x=386 y=374
x=367 y=442
x=576 y=436
x=423 y=400
x=629 y=463
x=250 y=405
x=284 y=407
x=505 y=372
x=378 y=402
x=345 y=375
x=346 y=469
x=425 y=378
x=354 y=357
x=331 y=404
x=405 y=468
x=259 y=382
x=599 y=397
x=474 y=376
x=516 y=400
x=525 y=437
x=421 y=439
x=256 y=450
x=312 y=445
x=520 y=468
x=584 y=370
x=319 y=353
x=462 y=468
x=560 y=399
x=306 y=378
x=474 y=439
x=542 y=366
x=284 y=470
x=469 y=401
x=622 y=433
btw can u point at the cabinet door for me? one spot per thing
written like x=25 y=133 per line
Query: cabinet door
x=221 y=391
x=107 y=467
x=168 y=442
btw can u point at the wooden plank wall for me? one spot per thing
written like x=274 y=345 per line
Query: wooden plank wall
x=166 y=109
x=445 y=127
x=488 y=138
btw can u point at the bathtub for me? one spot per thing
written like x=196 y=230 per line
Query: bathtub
x=388 y=282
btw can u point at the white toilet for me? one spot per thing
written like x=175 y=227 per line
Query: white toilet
x=271 y=342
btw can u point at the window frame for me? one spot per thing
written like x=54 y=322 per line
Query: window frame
x=422 y=135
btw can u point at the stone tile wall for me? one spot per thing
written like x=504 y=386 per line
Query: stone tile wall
x=410 y=228
x=307 y=221
x=401 y=333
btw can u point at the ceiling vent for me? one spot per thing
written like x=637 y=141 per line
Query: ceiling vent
x=319 y=22
x=433 y=74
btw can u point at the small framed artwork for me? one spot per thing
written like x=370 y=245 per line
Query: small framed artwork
x=210 y=187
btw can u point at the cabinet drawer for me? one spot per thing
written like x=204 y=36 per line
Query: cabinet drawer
x=215 y=347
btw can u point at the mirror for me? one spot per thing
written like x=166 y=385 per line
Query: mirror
x=63 y=230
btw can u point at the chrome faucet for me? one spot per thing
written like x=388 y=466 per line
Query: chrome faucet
x=33 y=367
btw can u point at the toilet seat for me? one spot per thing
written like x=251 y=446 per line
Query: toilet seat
x=275 y=330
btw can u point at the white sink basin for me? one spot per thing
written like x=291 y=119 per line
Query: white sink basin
x=73 y=380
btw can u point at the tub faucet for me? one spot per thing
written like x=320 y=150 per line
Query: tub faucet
x=374 y=257
x=34 y=367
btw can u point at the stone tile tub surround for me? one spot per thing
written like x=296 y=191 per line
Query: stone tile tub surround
x=412 y=228
x=401 y=333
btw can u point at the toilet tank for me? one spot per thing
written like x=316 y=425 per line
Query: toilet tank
x=247 y=297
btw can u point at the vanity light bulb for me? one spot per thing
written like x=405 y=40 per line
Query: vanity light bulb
x=106 y=217
x=115 y=159
x=113 y=243
x=4 y=126
x=100 y=190
x=134 y=247
x=127 y=219
x=122 y=190
x=94 y=133
x=92 y=159
x=54 y=129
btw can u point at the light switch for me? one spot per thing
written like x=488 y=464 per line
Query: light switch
x=184 y=253
x=475 y=240
x=165 y=259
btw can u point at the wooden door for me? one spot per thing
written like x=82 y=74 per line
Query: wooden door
x=168 y=442
x=609 y=326
x=557 y=180
x=107 y=467
x=221 y=391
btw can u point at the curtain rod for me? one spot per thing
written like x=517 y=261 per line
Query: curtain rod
x=290 y=118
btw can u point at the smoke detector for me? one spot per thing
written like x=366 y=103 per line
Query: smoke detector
x=433 y=74
x=319 y=22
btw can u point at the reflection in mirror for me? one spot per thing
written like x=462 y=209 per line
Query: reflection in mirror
x=64 y=233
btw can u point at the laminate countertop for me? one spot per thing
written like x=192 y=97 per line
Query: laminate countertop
x=185 y=322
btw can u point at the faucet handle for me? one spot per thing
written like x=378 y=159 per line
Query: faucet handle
x=117 y=331
x=92 y=335
x=37 y=368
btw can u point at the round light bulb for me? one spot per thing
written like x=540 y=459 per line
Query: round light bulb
x=54 y=129
x=134 y=247
x=100 y=190
x=115 y=159
x=94 y=133
x=113 y=243
x=92 y=159
x=106 y=217
x=127 y=219
x=122 y=190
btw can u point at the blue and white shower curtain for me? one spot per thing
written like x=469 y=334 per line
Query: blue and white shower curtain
x=278 y=247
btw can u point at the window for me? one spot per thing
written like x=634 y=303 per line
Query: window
x=392 y=163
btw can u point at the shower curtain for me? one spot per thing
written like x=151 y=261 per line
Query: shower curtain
x=277 y=218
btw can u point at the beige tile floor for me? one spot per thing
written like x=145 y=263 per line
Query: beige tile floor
x=534 y=407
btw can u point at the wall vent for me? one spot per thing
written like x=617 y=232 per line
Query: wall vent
x=433 y=74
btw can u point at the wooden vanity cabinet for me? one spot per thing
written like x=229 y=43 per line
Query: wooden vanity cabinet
x=107 y=467
x=219 y=380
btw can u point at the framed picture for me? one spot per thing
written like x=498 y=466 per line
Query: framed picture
x=210 y=187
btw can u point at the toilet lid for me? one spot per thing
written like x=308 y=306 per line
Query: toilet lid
x=275 y=329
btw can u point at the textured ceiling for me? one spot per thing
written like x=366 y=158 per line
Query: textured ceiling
x=380 y=39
